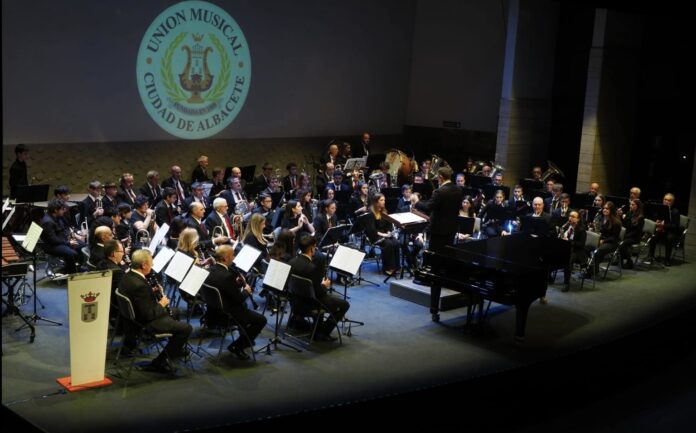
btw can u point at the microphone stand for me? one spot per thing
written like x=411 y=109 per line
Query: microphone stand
x=35 y=317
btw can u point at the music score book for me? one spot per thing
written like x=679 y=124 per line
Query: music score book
x=276 y=275
x=246 y=258
x=32 y=237
x=179 y=266
x=158 y=238
x=347 y=260
x=194 y=280
x=161 y=259
x=406 y=218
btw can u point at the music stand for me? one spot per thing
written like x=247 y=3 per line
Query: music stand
x=489 y=190
x=16 y=270
x=334 y=235
x=534 y=226
x=581 y=201
x=475 y=181
x=425 y=189
x=29 y=245
x=357 y=229
x=465 y=225
x=373 y=160
x=274 y=281
x=355 y=164
x=529 y=185
x=276 y=197
x=619 y=202
x=248 y=173
x=656 y=211
x=32 y=193
x=347 y=263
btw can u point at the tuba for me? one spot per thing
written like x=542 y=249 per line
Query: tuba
x=553 y=170
x=435 y=163
x=496 y=168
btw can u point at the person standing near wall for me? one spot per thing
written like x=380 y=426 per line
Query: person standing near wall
x=18 y=170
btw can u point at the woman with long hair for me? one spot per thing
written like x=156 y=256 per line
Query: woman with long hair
x=379 y=231
x=283 y=248
x=634 y=221
x=609 y=233
x=188 y=244
x=253 y=236
x=359 y=200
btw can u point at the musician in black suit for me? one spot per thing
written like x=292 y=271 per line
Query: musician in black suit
x=166 y=209
x=263 y=181
x=218 y=183
x=102 y=235
x=303 y=266
x=325 y=219
x=331 y=155
x=18 y=170
x=404 y=204
x=443 y=207
x=554 y=202
x=200 y=173
x=151 y=312
x=175 y=182
x=291 y=182
x=113 y=261
x=538 y=212
x=234 y=195
x=363 y=149
x=667 y=231
x=219 y=218
x=126 y=193
x=574 y=232
x=151 y=189
x=56 y=236
x=234 y=292
x=92 y=207
x=198 y=196
x=196 y=221
x=110 y=199
x=264 y=208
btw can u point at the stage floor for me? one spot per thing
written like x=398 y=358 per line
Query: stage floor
x=398 y=350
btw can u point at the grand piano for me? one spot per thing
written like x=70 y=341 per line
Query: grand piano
x=509 y=270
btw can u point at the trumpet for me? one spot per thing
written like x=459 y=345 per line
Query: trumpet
x=142 y=237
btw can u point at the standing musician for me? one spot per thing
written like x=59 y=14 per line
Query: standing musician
x=263 y=181
x=200 y=173
x=234 y=290
x=363 y=149
x=291 y=182
x=633 y=221
x=18 y=169
x=443 y=207
x=126 y=193
x=166 y=209
x=331 y=155
x=110 y=198
x=380 y=232
x=92 y=206
x=152 y=313
x=218 y=182
x=575 y=232
x=667 y=231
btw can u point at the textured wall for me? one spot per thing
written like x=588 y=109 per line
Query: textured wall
x=75 y=165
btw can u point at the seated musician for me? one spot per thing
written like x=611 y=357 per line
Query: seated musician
x=493 y=227
x=198 y=196
x=126 y=193
x=151 y=189
x=326 y=178
x=358 y=201
x=380 y=232
x=151 y=312
x=554 y=202
x=325 y=219
x=218 y=182
x=424 y=174
x=460 y=180
x=549 y=186
x=328 y=194
x=668 y=231
x=143 y=219
x=536 y=173
x=57 y=238
x=304 y=197
x=338 y=182
x=573 y=231
x=296 y=221
x=102 y=235
x=594 y=189
x=303 y=265
x=609 y=232
x=345 y=153
x=235 y=195
x=517 y=198
x=467 y=210
x=175 y=182
x=283 y=248
x=486 y=170
x=219 y=218
x=253 y=236
x=633 y=221
x=264 y=209
x=560 y=216
x=196 y=221
x=177 y=226
x=263 y=181
x=189 y=244
x=331 y=155
x=404 y=204
x=110 y=198
x=498 y=179
x=166 y=210
x=538 y=212
x=234 y=291
x=113 y=261
x=385 y=180
x=598 y=203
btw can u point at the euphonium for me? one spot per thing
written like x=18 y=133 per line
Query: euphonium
x=142 y=237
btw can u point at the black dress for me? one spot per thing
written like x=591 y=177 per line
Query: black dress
x=389 y=246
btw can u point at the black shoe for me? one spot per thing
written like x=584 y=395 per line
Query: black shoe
x=239 y=353
x=160 y=366
x=325 y=337
x=299 y=324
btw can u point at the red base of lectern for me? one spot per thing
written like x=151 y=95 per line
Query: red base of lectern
x=65 y=381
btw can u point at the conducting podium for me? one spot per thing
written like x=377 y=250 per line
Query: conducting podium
x=409 y=225
x=346 y=263
x=89 y=298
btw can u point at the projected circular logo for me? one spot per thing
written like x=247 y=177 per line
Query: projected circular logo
x=193 y=69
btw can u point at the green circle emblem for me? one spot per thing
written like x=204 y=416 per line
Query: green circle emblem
x=193 y=69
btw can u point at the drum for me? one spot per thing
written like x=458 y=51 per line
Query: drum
x=401 y=167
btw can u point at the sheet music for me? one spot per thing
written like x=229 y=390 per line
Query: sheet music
x=8 y=218
x=276 y=275
x=32 y=237
x=246 y=258
x=6 y=205
x=161 y=259
x=194 y=280
x=19 y=238
x=407 y=218
x=158 y=238
x=347 y=260
x=178 y=266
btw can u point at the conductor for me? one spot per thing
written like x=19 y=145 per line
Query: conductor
x=443 y=207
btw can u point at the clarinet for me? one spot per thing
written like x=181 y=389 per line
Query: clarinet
x=159 y=292
x=249 y=295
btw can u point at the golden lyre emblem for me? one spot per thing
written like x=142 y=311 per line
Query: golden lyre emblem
x=196 y=77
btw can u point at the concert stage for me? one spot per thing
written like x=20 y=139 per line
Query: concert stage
x=587 y=354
